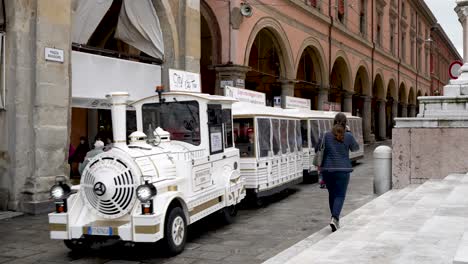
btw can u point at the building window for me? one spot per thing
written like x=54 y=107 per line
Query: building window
x=392 y=38
x=403 y=11
x=312 y=3
x=341 y=10
x=412 y=50
x=403 y=46
x=379 y=29
x=362 y=18
x=419 y=58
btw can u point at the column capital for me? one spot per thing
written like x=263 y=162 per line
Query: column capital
x=366 y=98
x=404 y=104
x=348 y=94
x=381 y=100
x=287 y=81
x=231 y=68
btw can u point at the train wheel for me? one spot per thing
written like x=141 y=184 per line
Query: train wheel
x=77 y=245
x=229 y=214
x=175 y=231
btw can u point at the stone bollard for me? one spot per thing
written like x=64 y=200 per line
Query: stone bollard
x=382 y=169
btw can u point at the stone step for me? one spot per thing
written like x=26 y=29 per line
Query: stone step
x=351 y=219
x=461 y=257
x=396 y=227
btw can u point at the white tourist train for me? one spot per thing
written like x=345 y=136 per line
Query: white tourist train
x=277 y=145
x=154 y=187
x=315 y=123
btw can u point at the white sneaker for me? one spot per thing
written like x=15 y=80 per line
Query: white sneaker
x=334 y=224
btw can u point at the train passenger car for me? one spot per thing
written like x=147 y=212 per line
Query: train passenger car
x=185 y=168
x=270 y=145
x=315 y=123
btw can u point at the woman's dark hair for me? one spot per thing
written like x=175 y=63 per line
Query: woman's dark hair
x=339 y=125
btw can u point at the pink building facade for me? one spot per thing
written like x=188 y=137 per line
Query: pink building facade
x=371 y=58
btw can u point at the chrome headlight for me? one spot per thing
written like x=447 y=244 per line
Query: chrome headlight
x=145 y=192
x=60 y=190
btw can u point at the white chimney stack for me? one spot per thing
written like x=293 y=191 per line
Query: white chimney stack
x=119 y=117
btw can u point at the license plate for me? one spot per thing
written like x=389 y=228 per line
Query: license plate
x=100 y=231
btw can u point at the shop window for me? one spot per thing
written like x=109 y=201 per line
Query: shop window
x=304 y=139
x=276 y=136
x=264 y=137
x=292 y=135
x=244 y=136
x=180 y=119
x=227 y=122
x=284 y=136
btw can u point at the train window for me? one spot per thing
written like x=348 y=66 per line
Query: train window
x=264 y=136
x=276 y=136
x=284 y=136
x=227 y=122
x=299 y=135
x=314 y=132
x=180 y=119
x=305 y=140
x=322 y=127
x=244 y=136
x=292 y=135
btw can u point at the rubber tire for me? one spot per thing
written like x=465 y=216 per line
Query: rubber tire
x=228 y=214
x=169 y=243
x=77 y=245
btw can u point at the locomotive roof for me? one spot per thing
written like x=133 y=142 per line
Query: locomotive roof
x=203 y=96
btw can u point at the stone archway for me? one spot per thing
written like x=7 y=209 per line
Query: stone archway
x=360 y=99
x=267 y=65
x=378 y=123
x=340 y=83
x=402 y=101
x=210 y=43
x=310 y=75
x=392 y=106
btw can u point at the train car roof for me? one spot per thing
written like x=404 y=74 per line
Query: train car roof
x=243 y=109
x=203 y=96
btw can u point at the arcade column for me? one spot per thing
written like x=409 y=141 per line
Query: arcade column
x=366 y=120
x=322 y=98
x=287 y=89
x=230 y=75
x=412 y=110
x=382 y=131
x=348 y=101
x=394 y=111
x=404 y=110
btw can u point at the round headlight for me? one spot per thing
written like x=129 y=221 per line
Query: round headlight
x=145 y=192
x=57 y=192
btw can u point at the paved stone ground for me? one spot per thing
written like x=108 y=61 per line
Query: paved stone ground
x=257 y=235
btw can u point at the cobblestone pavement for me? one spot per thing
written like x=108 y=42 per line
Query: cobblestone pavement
x=257 y=234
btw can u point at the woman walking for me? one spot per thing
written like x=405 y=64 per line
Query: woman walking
x=336 y=165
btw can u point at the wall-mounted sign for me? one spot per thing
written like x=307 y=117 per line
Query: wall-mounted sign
x=54 y=54
x=277 y=101
x=225 y=83
x=454 y=69
x=183 y=81
x=332 y=106
x=294 y=102
x=240 y=83
x=244 y=95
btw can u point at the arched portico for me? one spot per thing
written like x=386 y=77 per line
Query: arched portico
x=210 y=42
x=311 y=75
x=402 y=101
x=392 y=106
x=340 y=83
x=361 y=99
x=378 y=125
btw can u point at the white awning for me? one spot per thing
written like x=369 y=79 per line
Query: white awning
x=87 y=14
x=139 y=26
x=94 y=76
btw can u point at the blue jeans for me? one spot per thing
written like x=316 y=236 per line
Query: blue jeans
x=337 y=184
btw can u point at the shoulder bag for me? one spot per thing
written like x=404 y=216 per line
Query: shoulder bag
x=318 y=159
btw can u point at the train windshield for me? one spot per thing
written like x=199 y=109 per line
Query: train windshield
x=180 y=119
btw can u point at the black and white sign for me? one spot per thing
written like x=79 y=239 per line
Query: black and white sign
x=54 y=54
x=183 y=81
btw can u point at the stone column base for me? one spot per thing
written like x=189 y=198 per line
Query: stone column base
x=37 y=207
x=230 y=75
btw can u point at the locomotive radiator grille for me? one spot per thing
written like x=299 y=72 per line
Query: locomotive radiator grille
x=108 y=187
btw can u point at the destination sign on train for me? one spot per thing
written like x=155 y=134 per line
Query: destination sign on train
x=294 y=102
x=182 y=81
x=245 y=95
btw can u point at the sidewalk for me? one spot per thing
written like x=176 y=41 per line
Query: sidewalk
x=9 y=214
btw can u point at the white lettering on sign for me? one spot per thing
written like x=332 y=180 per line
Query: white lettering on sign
x=332 y=106
x=240 y=83
x=244 y=95
x=225 y=83
x=294 y=102
x=184 y=81
x=54 y=54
